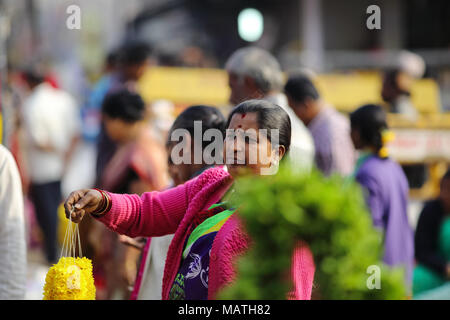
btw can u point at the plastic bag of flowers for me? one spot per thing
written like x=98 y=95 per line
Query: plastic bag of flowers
x=71 y=278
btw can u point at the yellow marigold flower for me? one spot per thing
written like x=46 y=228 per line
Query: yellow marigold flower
x=383 y=152
x=70 y=279
x=387 y=136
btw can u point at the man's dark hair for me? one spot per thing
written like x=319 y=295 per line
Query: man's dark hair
x=134 y=53
x=124 y=105
x=270 y=116
x=299 y=87
x=210 y=117
x=112 y=58
x=33 y=76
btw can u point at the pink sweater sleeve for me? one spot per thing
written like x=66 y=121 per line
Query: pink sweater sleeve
x=302 y=272
x=153 y=214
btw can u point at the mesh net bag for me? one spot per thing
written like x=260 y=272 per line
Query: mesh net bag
x=71 y=278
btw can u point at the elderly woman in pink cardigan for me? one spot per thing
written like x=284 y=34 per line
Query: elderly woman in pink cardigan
x=209 y=235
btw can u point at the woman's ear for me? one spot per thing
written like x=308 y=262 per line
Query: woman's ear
x=281 y=152
x=277 y=155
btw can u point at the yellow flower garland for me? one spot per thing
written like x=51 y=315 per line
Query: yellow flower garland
x=70 y=279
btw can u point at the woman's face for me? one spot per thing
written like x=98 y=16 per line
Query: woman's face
x=247 y=149
x=118 y=130
x=180 y=173
x=356 y=138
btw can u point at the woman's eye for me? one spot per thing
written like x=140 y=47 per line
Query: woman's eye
x=230 y=137
x=250 y=140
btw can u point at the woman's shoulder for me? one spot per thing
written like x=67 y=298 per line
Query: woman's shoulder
x=375 y=165
x=369 y=167
x=211 y=176
x=378 y=171
x=208 y=182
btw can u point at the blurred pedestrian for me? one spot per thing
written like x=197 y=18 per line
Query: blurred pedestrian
x=209 y=118
x=196 y=57
x=397 y=84
x=13 y=262
x=384 y=184
x=432 y=242
x=209 y=236
x=12 y=102
x=10 y=107
x=149 y=282
x=254 y=73
x=138 y=165
x=52 y=125
x=133 y=61
x=92 y=111
x=334 y=151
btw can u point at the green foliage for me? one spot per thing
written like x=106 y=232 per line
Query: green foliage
x=327 y=213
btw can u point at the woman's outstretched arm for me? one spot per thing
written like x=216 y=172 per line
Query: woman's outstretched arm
x=152 y=214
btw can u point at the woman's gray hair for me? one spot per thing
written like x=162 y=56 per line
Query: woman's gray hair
x=259 y=65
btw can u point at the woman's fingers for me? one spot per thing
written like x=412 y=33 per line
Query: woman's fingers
x=71 y=200
x=77 y=215
x=77 y=202
x=85 y=200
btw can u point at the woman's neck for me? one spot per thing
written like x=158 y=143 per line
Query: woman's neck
x=368 y=150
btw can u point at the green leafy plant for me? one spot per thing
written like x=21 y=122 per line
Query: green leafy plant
x=330 y=215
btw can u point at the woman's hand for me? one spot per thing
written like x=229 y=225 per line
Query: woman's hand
x=81 y=202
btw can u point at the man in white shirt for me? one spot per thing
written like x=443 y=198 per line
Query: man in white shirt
x=254 y=73
x=12 y=230
x=52 y=125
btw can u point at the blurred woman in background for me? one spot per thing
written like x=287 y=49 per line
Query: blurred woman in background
x=139 y=164
x=385 y=185
x=432 y=242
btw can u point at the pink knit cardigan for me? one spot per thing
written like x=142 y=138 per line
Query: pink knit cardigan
x=173 y=211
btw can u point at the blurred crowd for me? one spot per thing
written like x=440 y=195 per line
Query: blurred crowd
x=131 y=138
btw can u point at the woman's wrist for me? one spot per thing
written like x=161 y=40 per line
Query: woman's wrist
x=105 y=204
